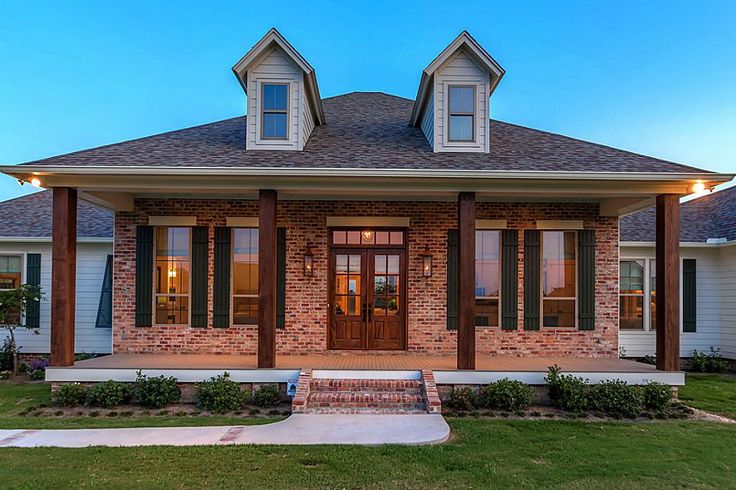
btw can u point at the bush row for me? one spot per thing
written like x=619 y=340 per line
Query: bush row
x=569 y=393
x=219 y=394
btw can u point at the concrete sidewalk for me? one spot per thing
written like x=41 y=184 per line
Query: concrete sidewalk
x=300 y=429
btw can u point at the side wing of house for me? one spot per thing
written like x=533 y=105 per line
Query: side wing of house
x=728 y=301
x=90 y=336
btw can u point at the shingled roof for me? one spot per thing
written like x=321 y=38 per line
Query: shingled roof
x=30 y=217
x=366 y=130
x=710 y=216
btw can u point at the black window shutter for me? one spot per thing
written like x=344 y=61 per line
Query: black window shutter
x=33 y=279
x=532 y=263
x=281 y=278
x=221 y=300
x=200 y=266
x=452 y=278
x=104 y=309
x=509 y=279
x=143 y=276
x=689 y=296
x=586 y=280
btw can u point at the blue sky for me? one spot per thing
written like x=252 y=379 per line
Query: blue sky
x=652 y=77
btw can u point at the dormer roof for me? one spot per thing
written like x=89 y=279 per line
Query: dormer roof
x=475 y=51
x=274 y=38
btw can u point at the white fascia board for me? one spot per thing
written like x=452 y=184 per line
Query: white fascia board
x=682 y=244
x=18 y=239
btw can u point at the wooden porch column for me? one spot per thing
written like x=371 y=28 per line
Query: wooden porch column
x=267 y=278
x=466 y=281
x=63 y=275
x=668 y=282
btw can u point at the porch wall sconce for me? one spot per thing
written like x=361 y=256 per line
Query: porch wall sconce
x=308 y=262
x=426 y=257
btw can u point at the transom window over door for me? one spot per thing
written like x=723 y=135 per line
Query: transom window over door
x=10 y=271
x=631 y=299
x=172 y=275
x=558 y=278
x=461 y=113
x=245 y=276
x=487 y=277
x=274 y=111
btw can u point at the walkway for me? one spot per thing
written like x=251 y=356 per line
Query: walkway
x=301 y=429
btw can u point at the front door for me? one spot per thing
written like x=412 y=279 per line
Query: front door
x=367 y=299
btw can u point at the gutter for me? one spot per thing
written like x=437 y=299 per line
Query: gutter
x=682 y=244
x=46 y=239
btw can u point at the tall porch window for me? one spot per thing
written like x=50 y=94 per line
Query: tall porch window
x=559 y=288
x=11 y=278
x=245 y=276
x=487 y=277
x=172 y=275
x=631 y=299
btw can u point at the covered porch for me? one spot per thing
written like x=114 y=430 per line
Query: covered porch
x=244 y=368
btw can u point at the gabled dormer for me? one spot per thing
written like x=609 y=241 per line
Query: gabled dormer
x=282 y=96
x=452 y=105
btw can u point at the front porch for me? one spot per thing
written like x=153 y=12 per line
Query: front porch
x=190 y=368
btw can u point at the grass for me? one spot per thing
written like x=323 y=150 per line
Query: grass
x=714 y=393
x=482 y=454
x=16 y=397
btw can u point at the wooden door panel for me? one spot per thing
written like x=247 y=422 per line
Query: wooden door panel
x=347 y=299
x=387 y=300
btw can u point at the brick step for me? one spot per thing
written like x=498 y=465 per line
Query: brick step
x=366 y=385
x=365 y=400
x=367 y=411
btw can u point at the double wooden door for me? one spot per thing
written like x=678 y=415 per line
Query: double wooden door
x=367 y=299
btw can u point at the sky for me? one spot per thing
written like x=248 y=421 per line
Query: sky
x=654 y=77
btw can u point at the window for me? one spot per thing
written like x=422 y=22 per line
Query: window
x=245 y=276
x=10 y=275
x=652 y=295
x=367 y=237
x=487 y=277
x=558 y=279
x=461 y=113
x=274 y=111
x=104 y=309
x=631 y=298
x=173 y=266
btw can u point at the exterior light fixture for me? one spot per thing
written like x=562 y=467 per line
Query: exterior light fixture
x=698 y=186
x=36 y=182
x=308 y=262
x=426 y=257
x=367 y=235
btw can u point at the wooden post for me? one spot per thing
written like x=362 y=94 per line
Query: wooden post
x=668 y=282
x=63 y=275
x=267 y=279
x=466 y=281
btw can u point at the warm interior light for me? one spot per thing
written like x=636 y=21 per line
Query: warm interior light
x=698 y=187
x=36 y=182
x=367 y=235
x=172 y=273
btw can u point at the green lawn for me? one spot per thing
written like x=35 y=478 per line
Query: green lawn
x=714 y=393
x=482 y=454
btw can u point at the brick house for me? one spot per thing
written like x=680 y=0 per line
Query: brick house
x=366 y=223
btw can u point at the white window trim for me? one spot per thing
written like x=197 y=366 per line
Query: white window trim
x=446 y=141
x=500 y=282
x=646 y=305
x=232 y=280
x=289 y=140
x=541 y=283
x=23 y=265
x=156 y=295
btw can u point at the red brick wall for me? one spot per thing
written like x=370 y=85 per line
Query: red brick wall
x=306 y=311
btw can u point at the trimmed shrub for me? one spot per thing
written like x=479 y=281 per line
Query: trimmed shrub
x=616 y=397
x=69 y=395
x=657 y=396
x=567 y=392
x=37 y=374
x=507 y=395
x=156 y=392
x=219 y=395
x=708 y=363
x=649 y=359
x=699 y=362
x=267 y=396
x=109 y=394
x=463 y=399
x=6 y=355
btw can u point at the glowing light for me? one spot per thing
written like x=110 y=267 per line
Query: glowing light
x=172 y=273
x=698 y=187
x=36 y=182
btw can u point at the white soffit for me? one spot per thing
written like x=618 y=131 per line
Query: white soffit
x=559 y=224
x=392 y=221
x=172 y=220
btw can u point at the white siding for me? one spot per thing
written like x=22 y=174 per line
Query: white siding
x=708 y=278
x=460 y=69
x=275 y=65
x=728 y=301
x=428 y=121
x=91 y=260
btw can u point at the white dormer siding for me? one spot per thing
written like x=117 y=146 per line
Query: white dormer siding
x=273 y=61
x=276 y=67
x=466 y=65
x=460 y=70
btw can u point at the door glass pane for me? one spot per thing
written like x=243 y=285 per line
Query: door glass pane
x=341 y=263
x=341 y=284
x=354 y=263
x=397 y=237
x=354 y=285
x=382 y=238
x=339 y=237
x=379 y=286
x=392 y=306
x=392 y=283
x=353 y=305
x=354 y=237
x=393 y=264
x=341 y=305
x=380 y=264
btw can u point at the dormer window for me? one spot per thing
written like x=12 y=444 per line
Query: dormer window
x=274 y=111
x=461 y=113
